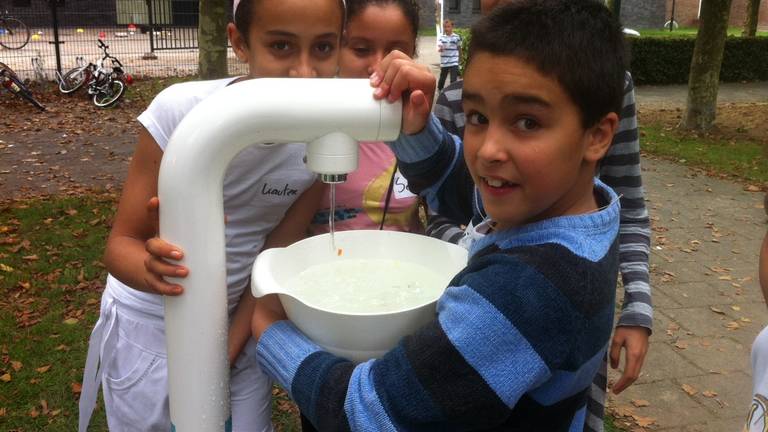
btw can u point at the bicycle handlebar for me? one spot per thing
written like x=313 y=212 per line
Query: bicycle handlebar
x=103 y=45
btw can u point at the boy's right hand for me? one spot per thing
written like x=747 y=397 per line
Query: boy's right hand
x=397 y=75
x=156 y=263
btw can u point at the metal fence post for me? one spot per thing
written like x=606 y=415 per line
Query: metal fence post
x=151 y=18
x=56 y=42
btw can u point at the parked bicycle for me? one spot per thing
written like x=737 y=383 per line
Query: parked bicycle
x=11 y=82
x=14 y=34
x=105 y=80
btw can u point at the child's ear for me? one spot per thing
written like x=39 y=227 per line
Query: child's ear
x=600 y=136
x=238 y=42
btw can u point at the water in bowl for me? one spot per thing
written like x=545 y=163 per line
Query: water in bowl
x=355 y=286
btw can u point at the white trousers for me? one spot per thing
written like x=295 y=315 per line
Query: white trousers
x=757 y=417
x=127 y=357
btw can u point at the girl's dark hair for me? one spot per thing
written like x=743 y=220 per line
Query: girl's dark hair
x=244 y=16
x=410 y=9
x=579 y=43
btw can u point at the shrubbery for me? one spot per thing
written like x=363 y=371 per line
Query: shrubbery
x=665 y=60
x=668 y=60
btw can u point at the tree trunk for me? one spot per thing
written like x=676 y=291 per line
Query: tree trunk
x=750 y=21
x=704 y=77
x=212 y=38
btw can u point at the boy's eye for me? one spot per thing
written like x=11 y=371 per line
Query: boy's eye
x=475 y=118
x=527 y=124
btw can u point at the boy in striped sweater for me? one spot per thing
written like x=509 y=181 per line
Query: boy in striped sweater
x=449 y=45
x=521 y=331
x=620 y=169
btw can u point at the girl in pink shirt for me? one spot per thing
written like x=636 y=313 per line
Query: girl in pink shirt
x=375 y=196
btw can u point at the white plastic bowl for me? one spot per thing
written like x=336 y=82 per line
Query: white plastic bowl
x=357 y=337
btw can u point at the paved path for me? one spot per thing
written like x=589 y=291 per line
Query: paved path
x=708 y=306
x=675 y=95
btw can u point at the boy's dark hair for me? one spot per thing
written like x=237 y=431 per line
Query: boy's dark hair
x=410 y=9
x=577 y=42
x=244 y=16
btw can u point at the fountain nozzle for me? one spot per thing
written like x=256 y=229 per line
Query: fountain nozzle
x=333 y=156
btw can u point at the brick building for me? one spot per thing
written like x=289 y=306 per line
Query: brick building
x=687 y=13
x=634 y=13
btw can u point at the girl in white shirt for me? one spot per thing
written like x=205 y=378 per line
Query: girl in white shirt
x=276 y=38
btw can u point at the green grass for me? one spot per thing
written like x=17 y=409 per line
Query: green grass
x=51 y=282
x=427 y=31
x=688 y=32
x=740 y=158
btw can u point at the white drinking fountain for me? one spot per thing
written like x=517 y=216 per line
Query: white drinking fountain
x=331 y=115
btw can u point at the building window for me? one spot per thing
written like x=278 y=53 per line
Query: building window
x=454 y=5
x=476 y=6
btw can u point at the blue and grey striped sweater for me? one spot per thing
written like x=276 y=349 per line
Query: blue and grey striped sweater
x=517 y=339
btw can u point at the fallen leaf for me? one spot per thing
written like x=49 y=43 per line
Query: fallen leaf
x=70 y=212
x=644 y=421
x=6 y=268
x=70 y=321
x=16 y=365
x=43 y=369
x=744 y=319
x=640 y=403
x=736 y=308
x=681 y=345
x=61 y=347
x=733 y=325
x=54 y=413
x=44 y=405
x=689 y=389
x=30 y=258
x=34 y=413
x=76 y=387
x=716 y=310
x=3 y=411
x=753 y=188
x=709 y=393
x=5 y=377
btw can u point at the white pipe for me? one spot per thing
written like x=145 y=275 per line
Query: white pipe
x=192 y=216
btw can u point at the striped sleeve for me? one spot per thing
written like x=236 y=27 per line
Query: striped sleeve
x=432 y=162
x=620 y=169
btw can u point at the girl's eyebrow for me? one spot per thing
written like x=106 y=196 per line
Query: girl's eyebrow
x=281 y=33
x=329 y=35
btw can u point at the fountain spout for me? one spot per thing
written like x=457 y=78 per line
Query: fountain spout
x=331 y=114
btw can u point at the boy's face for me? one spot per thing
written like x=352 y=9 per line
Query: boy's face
x=524 y=143
x=448 y=28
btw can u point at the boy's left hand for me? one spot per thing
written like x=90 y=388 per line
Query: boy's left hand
x=267 y=311
x=634 y=340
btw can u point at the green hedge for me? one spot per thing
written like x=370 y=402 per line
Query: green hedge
x=668 y=60
x=665 y=60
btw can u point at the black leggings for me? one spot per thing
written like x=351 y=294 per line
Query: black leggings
x=306 y=426
x=453 y=70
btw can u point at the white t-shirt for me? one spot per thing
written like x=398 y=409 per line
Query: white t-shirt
x=259 y=186
x=757 y=418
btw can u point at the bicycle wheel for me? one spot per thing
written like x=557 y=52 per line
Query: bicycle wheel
x=72 y=80
x=15 y=86
x=14 y=34
x=110 y=94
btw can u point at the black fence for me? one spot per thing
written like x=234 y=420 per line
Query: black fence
x=150 y=37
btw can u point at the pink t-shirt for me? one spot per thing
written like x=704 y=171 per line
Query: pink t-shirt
x=360 y=200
